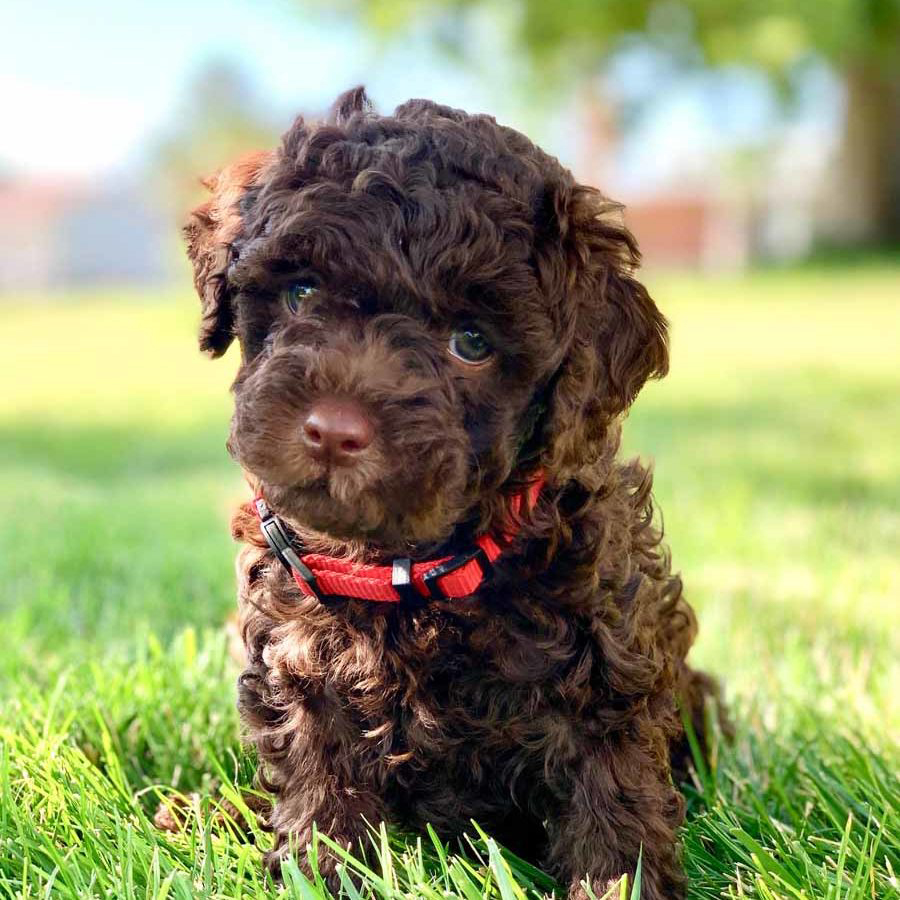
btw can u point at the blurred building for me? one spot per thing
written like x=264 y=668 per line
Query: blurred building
x=694 y=229
x=700 y=207
x=64 y=233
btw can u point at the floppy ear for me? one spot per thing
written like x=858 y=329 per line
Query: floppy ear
x=210 y=233
x=618 y=336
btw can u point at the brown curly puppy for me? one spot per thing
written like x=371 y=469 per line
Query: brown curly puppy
x=475 y=619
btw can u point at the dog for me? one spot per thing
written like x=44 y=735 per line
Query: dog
x=454 y=600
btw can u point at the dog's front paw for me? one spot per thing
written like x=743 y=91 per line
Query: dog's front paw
x=274 y=859
x=328 y=864
x=600 y=889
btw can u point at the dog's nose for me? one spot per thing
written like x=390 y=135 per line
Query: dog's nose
x=337 y=430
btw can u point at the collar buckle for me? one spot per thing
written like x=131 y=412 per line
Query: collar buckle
x=280 y=544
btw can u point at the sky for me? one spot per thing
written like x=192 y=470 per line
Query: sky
x=88 y=86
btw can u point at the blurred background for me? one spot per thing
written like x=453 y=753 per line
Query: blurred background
x=735 y=133
x=756 y=147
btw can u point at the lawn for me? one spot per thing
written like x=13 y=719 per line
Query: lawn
x=777 y=448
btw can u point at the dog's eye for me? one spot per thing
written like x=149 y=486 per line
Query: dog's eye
x=470 y=345
x=298 y=291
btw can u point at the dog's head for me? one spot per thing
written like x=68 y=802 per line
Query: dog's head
x=429 y=310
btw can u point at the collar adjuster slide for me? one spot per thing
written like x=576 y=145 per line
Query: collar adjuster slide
x=451 y=565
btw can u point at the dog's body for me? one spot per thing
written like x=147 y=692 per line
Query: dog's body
x=433 y=316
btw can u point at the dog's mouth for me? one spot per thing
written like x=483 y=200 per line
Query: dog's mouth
x=389 y=503
x=355 y=449
x=320 y=505
x=363 y=524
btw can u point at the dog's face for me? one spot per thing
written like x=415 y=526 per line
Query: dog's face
x=429 y=309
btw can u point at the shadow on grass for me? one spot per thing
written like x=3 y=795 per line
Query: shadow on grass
x=822 y=442
x=108 y=529
x=106 y=453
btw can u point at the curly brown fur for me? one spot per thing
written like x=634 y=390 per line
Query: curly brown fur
x=546 y=706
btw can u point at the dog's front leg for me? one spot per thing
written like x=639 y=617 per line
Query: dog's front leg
x=621 y=803
x=308 y=746
x=337 y=809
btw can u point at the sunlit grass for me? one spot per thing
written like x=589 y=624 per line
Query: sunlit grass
x=777 y=447
x=117 y=357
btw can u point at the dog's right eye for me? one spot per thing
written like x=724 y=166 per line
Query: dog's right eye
x=298 y=291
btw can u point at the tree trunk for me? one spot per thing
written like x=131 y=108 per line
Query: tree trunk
x=863 y=206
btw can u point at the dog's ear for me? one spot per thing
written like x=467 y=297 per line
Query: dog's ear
x=210 y=232
x=618 y=338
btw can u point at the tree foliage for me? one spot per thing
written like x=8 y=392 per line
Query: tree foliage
x=772 y=35
x=564 y=43
x=221 y=116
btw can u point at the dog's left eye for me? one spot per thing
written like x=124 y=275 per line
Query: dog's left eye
x=298 y=291
x=470 y=346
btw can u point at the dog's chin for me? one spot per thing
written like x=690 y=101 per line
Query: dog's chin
x=362 y=526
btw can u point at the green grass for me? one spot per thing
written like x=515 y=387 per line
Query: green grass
x=777 y=448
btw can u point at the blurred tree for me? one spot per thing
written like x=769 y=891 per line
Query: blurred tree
x=221 y=116
x=570 y=40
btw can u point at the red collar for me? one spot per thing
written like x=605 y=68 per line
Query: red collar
x=446 y=578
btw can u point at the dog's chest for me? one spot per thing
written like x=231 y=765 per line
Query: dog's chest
x=411 y=679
